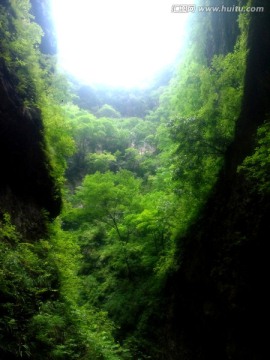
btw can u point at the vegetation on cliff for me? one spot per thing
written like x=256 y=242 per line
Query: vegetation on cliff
x=133 y=184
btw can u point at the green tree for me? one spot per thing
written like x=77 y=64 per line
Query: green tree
x=256 y=167
x=107 y=111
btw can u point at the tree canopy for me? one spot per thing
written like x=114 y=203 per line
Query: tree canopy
x=135 y=171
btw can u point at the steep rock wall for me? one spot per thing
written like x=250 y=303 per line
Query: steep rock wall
x=26 y=185
x=216 y=304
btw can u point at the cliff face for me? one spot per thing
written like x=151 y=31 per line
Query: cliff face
x=26 y=186
x=216 y=306
x=223 y=28
x=41 y=9
x=29 y=198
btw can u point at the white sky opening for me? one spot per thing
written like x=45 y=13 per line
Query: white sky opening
x=121 y=43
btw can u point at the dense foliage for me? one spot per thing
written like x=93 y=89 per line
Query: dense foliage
x=138 y=183
x=40 y=313
x=132 y=185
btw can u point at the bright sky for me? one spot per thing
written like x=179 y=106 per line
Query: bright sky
x=117 y=42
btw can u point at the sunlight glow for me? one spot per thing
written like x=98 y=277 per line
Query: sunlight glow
x=117 y=42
